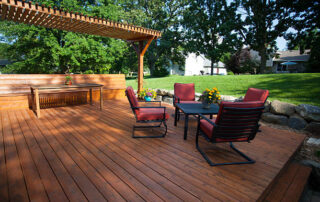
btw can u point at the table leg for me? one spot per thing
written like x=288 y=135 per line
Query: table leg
x=37 y=102
x=32 y=100
x=176 y=116
x=186 y=121
x=211 y=116
x=90 y=92
x=101 y=98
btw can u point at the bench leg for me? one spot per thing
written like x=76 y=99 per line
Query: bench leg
x=101 y=98
x=37 y=102
x=33 y=101
x=90 y=92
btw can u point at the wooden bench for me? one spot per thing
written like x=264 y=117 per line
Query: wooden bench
x=289 y=185
x=15 y=89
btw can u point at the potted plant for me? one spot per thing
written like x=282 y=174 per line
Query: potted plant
x=68 y=80
x=147 y=94
x=210 y=96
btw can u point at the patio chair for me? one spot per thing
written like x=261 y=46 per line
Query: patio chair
x=147 y=114
x=235 y=122
x=183 y=93
x=255 y=94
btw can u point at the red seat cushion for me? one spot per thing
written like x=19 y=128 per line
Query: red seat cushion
x=207 y=127
x=254 y=94
x=149 y=114
x=184 y=91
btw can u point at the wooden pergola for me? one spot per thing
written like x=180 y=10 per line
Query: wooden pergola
x=39 y=15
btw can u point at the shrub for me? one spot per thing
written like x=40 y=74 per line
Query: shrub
x=161 y=72
x=230 y=73
x=248 y=66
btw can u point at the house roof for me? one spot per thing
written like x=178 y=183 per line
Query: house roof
x=39 y=15
x=292 y=55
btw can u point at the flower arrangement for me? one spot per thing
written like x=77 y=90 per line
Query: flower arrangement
x=147 y=93
x=210 y=96
x=68 y=80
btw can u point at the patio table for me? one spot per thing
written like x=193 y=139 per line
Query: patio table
x=193 y=109
x=36 y=88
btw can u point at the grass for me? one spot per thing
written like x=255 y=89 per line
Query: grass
x=291 y=88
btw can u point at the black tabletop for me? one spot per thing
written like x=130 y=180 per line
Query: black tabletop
x=197 y=108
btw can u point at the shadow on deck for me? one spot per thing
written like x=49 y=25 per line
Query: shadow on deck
x=80 y=153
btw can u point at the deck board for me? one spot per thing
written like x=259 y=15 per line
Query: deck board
x=16 y=183
x=49 y=180
x=4 y=196
x=79 y=153
x=33 y=182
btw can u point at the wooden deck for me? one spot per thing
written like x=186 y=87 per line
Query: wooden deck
x=80 y=153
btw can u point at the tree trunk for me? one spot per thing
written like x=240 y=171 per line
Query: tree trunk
x=212 y=62
x=263 y=61
x=151 y=65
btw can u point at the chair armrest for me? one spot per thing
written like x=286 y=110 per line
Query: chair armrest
x=174 y=99
x=151 y=102
x=148 y=107
x=205 y=118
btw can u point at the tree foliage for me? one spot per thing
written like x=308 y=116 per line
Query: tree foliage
x=162 y=15
x=265 y=21
x=214 y=28
x=209 y=28
x=306 y=15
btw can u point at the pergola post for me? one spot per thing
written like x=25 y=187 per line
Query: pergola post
x=141 y=51
x=140 y=66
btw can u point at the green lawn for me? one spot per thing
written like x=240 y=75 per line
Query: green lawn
x=292 y=88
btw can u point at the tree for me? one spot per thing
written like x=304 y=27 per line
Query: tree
x=306 y=23
x=162 y=15
x=209 y=28
x=265 y=21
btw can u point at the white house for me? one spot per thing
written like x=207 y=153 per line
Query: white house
x=197 y=65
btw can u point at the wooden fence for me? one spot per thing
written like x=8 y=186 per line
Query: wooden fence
x=15 y=89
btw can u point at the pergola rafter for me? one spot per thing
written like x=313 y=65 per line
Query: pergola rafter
x=34 y=14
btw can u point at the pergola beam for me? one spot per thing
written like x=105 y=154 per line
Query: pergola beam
x=33 y=14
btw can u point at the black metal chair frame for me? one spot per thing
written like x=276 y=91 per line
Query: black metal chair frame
x=161 y=121
x=176 y=108
x=251 y=136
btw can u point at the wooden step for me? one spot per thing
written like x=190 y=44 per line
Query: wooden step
x=290 y=184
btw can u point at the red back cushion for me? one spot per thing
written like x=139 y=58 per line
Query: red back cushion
x=131 y=97
x=224 y=104
x=235 y=124
x=184 y=91
x=254 y=94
